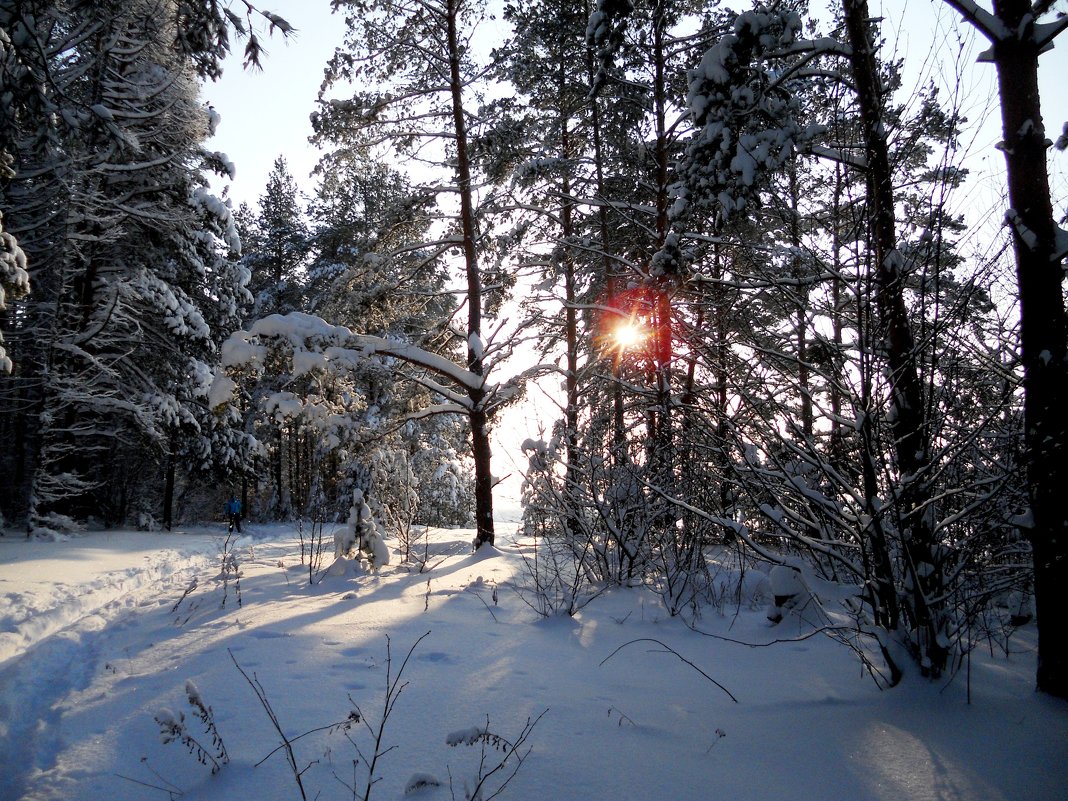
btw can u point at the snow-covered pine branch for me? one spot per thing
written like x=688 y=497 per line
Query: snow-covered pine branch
x=986 y=23
x=313 y=342
x=14 y=280
x=749 y=122
x=132 y=284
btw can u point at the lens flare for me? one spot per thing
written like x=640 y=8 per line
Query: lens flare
x=628 y=335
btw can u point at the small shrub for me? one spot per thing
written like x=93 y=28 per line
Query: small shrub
x=172 y=728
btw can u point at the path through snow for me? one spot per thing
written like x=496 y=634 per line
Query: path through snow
x=59 y=599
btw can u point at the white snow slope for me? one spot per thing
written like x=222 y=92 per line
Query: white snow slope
x=99 y=634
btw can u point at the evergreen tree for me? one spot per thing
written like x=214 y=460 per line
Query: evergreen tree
x=753 y=99
x=277 y=249
x=125 y=250
x=417 y=76
x=1017 y=39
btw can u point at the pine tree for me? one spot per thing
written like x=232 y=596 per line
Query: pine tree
x=276 y=252
x=885 y=326
x=1017 y=39
x=417 y=76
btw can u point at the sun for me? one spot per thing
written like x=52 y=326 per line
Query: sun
x=628 y=335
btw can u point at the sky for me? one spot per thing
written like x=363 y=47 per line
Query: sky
x=265 y=113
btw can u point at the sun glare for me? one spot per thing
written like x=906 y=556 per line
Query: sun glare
x=628 y=335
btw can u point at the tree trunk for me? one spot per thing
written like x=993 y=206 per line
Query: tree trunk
x=1043 y=331
x=663 y=460
x=276 y=470
x=480 y=443
x=571 y=478
x=837 y=446
x=619 y=440
x=924 y=602
x=804 y=379
x=168 y=490
x=721 y=453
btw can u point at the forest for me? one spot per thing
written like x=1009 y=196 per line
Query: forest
x=734 y=240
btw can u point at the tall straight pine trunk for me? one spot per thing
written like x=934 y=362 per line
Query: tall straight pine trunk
x=923 y=601
x=1043 y=330
x=478 y=419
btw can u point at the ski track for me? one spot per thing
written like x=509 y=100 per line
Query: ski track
x=48 y=653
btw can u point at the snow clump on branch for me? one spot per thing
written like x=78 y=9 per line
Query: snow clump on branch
x=14 y=279
x=747 y=118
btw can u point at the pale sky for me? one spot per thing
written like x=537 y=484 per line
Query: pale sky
x=265 y=114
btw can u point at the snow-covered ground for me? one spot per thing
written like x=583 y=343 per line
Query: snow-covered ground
x=98 y=635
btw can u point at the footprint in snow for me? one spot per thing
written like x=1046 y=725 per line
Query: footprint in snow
x=259 y=634
x=439 y=657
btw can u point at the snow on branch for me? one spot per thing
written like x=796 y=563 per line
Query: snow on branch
x=371 y=345
x=14 y=279
x=1030 y=238
x=836 y=154
x=456 y=399
x=605 y=33
x=822 y=46
x=1060 y=244
x=1026 y=235
x=315 y=344
x=748 y=119
x=1062 y=140
x=981 y=19
x=1046 y=32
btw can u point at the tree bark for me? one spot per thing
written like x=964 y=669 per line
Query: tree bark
x=663 y=460
x=611 y=289
x=804 y=379
x=1043 y=331
x=571 y=421
x=168 y=490
x=479 y=421
x=908 y=419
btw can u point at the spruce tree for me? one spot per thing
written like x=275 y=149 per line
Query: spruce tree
x=126 y=251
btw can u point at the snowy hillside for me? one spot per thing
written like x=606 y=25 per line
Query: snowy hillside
x=100 y=635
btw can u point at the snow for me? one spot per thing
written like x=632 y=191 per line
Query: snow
x=221 y=392
x=238 y=350
x=283 y=406
x=468 y=736
x=229 y=169
x=214 y=118
x=305 y=361
x=14 y=276
x=1027 y=236
x=105 y=636
x=317 y=344
x=1060 y=243
x=475 y=345
x=785 y=580
x=988 y=24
